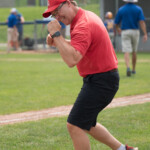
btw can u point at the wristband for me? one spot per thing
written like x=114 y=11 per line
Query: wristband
x=56 y=34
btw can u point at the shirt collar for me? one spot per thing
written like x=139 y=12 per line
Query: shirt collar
x=76 y=18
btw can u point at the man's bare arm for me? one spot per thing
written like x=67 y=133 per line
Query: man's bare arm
x=69 y=54
x=117 y=27
x=143 y=27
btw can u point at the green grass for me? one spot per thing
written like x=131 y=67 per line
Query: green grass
x=38 y=81
x=135 y=84
x=128 y=124
x=35 y=82
x=38 y=11
x=25 y=11
x=25 y=2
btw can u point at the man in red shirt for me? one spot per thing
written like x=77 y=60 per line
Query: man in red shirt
x=91 y=50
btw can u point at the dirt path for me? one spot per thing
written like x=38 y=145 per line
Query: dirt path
x=64 y=110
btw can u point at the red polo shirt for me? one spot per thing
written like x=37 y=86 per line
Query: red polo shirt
x=90 y=38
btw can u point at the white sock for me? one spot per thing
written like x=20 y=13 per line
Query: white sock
x=122 y=147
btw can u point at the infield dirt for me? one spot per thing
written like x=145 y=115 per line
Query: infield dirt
x=64 y=110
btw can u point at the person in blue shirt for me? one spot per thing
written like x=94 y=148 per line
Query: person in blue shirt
x=20 y=21
x=12 y=33
x=130 y=16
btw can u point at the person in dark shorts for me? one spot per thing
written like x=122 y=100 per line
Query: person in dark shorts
x=97 y=92
x=91 y=50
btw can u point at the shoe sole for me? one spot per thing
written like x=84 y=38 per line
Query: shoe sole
x=136 y=148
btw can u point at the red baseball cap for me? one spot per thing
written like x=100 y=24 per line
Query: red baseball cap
x=52 y=5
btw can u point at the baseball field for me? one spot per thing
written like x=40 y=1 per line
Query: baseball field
x=39 y=81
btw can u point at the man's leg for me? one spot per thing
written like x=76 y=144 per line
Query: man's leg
x=79 y=137
x=127 y=59
x=101 y=134
x=135 y=41
x=127 y=62
x=9 y=39
x=133 y=61
x=16 y=45
x=8 y=46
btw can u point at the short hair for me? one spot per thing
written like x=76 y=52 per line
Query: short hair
x=74 y=2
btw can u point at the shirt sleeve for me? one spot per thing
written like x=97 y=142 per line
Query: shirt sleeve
x=81 y=38
x=141 y=15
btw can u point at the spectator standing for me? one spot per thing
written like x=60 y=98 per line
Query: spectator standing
x=109 y=24
x=20 y=21
x=12 y=33
x=91 y=50
x=130 y=16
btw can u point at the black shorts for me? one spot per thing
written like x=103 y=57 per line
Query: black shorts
x=96 y=93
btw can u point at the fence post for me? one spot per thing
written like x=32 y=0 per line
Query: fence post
x=35 y=35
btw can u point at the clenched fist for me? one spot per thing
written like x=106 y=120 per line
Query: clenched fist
x=53 y=27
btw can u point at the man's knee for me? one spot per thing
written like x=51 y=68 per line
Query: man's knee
x=70 y=127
